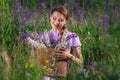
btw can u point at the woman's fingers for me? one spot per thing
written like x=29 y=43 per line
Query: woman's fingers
x=61 y=56
x=63 y=49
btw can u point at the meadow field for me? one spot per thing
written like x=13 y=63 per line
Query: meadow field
x=97 y=22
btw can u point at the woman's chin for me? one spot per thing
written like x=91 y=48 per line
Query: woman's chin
x=57 y=29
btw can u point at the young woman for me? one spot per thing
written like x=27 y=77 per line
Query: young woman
x=58 y=18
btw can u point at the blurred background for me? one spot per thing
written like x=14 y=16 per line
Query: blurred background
x=97 y=22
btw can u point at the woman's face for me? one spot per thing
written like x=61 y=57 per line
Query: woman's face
x=57 y=21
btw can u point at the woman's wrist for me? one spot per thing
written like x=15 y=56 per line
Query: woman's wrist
x=71 y=57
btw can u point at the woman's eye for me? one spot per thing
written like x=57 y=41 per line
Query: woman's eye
x=54 y=18
x=61 y=20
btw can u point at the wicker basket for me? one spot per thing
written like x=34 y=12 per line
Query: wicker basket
x=59 y=68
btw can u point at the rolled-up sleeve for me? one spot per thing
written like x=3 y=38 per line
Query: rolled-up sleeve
x=73 y=40
x=76 y=41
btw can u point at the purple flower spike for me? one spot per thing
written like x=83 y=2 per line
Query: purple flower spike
x=41 y=2
x=91 y=67
x=27 y=13
x=25 y=35
x=17 y=5
x=94 y=63
x=84 y=71
x=25 y=20
x=105 y=20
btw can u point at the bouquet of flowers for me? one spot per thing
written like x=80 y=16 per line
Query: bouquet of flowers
x=46 y=55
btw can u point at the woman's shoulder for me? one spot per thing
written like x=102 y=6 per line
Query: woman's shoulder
x=74 y=39
x=71 y=35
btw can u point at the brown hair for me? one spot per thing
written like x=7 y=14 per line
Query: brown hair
x=61 y=9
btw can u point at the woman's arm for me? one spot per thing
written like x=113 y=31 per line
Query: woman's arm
x=77 y=56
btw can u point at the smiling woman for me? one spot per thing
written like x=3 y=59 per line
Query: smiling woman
x=59 y=34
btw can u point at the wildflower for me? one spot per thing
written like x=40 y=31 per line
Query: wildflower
x=35 y=44
x=46 y=61
x=94 y=63
x=17 y=5
x=25 y=20
x=41 y=3
x=31 y=65
x=83 y=71
x=89 y=33
x=25 y=35
x=44 y=67
x=47 y=40
x=18 y=67
x=65 y=3
x=26 y=66
x=106 y=21
x=91 y=67
x=28 y=74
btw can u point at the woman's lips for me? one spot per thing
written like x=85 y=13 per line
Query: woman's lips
x=56 y=25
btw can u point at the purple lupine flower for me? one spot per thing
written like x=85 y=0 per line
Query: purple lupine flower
x=25 y=20
x=83 y=15
x=77 y=6
x=79 y=12
x=92 y=67
x=26 y=16
x=41 y=3
x=76 y=11
x=65 y=3
x=108 y=3
x=51 y=4
x=94 y=64
x=25 y=35
x=27 y=13
x=105 y=20
x=83 y=71
x=23 y=3
x=18 y=67
x=20 y=27
x=27 y=74
x=17 y=5
x=40 y=34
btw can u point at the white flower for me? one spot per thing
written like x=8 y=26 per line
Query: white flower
x=35 y=44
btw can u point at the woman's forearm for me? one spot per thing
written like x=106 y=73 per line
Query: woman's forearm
x=77 y=57
x=77 y=60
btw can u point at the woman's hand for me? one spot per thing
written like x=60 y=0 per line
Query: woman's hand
x=63 y=54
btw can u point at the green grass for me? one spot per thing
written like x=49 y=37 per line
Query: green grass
x=97 y=46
